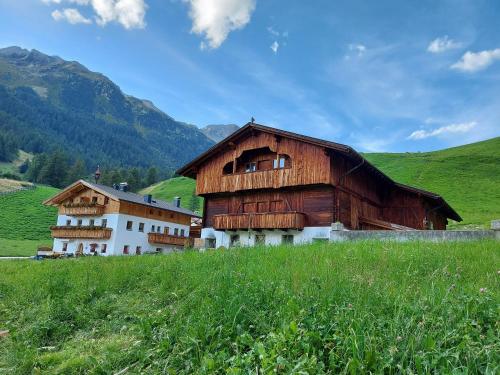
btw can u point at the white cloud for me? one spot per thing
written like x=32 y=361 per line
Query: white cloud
x=73 y=16
x=474 y=61
x=273 y=32
x=215 y=19
x=129 y=13
x=359 y=48
x=442 y=44
x=275 y=46
x=443 y=130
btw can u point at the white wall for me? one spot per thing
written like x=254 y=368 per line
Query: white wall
x=120 y=236
x=273 y=237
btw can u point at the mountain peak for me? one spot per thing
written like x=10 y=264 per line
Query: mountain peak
x=217 y=132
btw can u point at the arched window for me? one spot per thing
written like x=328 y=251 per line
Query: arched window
x=228 y=168
x=282 y=161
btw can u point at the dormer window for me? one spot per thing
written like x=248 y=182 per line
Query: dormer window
x=250 y=167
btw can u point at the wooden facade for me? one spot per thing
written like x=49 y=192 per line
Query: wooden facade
x=84 y=199
x=265 y=178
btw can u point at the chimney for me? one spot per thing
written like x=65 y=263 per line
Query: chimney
x=148 y=198
x=177 y=201
x=123 y=186
x=116 y=186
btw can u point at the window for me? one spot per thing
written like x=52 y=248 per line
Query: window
x=138 y=250
x=159 y=249
x=104 y=247
x=287 y=239
x=152 y=228
x=228 y=168
x=65 y=246
x=106 y=200
x=158 y=229
x=141 y=227
x=283 y=161
x=91 y=222
x=79 y=222
x=94 y=199
x=250 y=167
x=182 y=232
x=129 y=225
x=166 y=230
x=234 y=240
x=211 y=243
x=104 y=223
x=68 y=222
x=176 y=231
x=260 y=239
x=93 y=246
x=249 y=207
x=125 y=249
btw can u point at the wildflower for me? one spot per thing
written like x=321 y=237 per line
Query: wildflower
x=399 y=338
x=349 y=305
x=483 y=290
x=452 y=286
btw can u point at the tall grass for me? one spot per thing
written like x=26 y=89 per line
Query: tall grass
x=323 y=308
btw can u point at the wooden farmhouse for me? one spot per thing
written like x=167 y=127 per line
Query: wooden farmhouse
x=98 y=219
x=267 y=186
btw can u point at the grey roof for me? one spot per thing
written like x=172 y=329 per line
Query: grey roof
x=137 y=198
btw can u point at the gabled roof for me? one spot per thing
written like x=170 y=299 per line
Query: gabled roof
x=189 y=169
x=114 y=194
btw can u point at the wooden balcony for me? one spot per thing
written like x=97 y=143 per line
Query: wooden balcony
x=83 y=209
x=267 y=179
x=80 y=232
x=166 y=239
x=268 y=220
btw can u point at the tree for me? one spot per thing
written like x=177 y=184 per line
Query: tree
x=76 y=172
x=35 y=167
x=152 y=176
x=8 y=147
x=55 y=170
x=134 y=180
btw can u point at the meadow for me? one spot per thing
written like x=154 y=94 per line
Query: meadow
x=321 y=308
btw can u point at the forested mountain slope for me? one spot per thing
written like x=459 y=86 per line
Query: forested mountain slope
x=48 y=103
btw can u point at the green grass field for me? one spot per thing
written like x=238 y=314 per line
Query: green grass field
x=175 y=187
x=468 y=177
x=323 y=308
x=25 y=222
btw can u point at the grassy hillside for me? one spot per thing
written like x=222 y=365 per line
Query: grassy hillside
x=13 y=167
x=176 y=187
x=343 y=308
x=24 y=219
x=468 y=177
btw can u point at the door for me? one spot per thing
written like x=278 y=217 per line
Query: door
x=79 y=250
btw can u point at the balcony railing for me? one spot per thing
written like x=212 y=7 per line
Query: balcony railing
x=268 y=220
x=80 y=232
x=83 y=209
x=166 y=239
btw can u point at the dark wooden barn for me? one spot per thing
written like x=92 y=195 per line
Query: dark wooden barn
x=265 y=179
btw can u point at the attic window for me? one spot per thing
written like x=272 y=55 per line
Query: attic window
x=228 y=168
x=283 y=161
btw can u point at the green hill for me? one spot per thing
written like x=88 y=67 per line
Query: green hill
x=468 y=177
x=177 y=187
x=24 y=221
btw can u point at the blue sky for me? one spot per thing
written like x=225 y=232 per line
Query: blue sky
x=377 y=75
